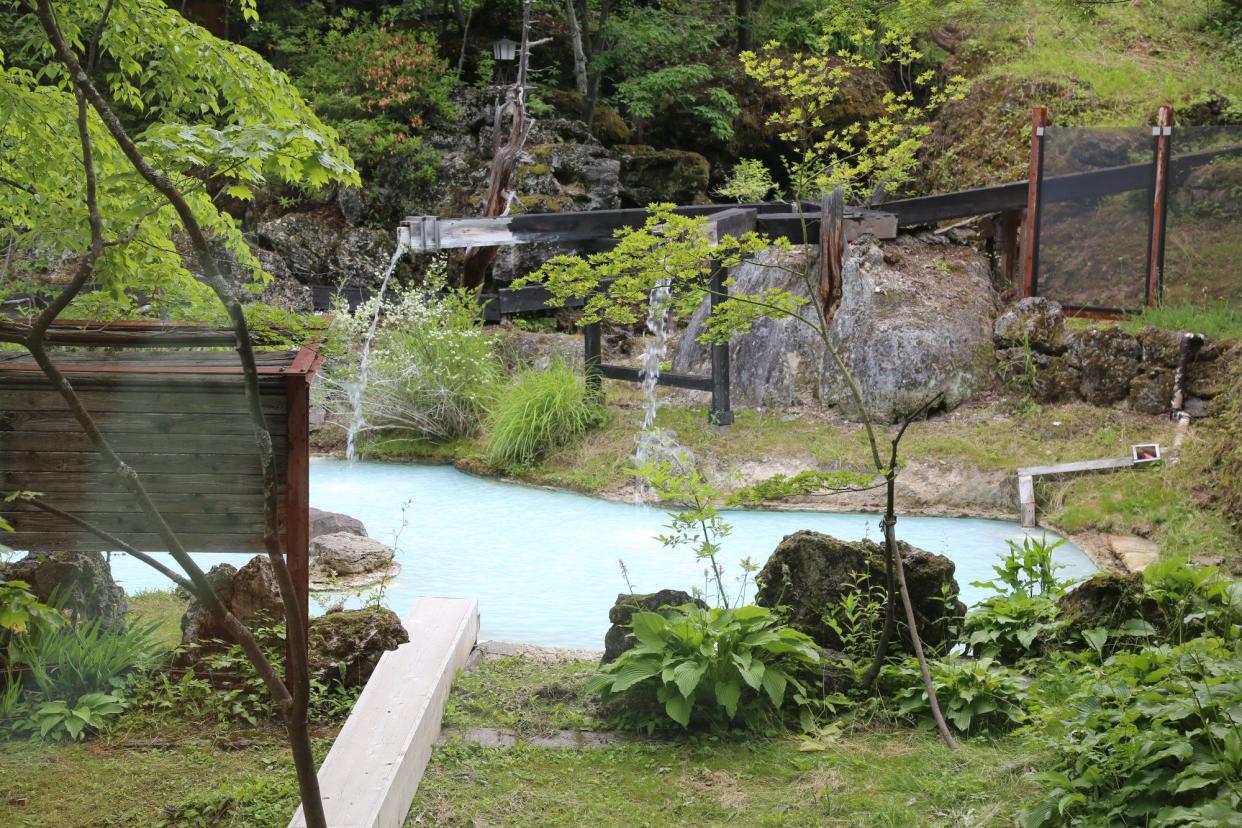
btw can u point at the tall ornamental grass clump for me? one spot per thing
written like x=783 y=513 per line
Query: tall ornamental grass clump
x=542 y=409
x=431 y=366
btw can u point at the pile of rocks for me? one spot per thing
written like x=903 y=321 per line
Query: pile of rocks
x=1103 y=364
x=342 y=554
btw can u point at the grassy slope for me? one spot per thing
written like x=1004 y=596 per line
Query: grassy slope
x=874 y=776
x=1128 y=58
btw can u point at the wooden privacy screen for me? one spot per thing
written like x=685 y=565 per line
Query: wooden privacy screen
x=179 y=418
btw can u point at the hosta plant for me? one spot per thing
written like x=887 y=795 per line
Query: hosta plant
x=57 y=720
x=715 y=668
x=976 y=695
x=1021 y=614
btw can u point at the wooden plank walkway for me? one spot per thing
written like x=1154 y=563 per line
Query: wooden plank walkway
x=373 y=769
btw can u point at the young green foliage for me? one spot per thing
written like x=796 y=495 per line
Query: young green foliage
x=709 y=667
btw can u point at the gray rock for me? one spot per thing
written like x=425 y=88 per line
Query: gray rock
x=1034 y=321
x=250 y=593
x=318 y=247
x=343 y=553
x=81 y=583
x=810 y=573
x=1109 y=361
x=527 y=349
x=907 y=331
x=1151 y=392
x=329 y=523
x=618 y=639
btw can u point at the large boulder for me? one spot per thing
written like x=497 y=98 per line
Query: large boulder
x=80 y=582
x=250 y=593
x=1034 y=322
x=915 y=321
x=618 y=639
x=810 y=573
x=343 y=553
x=345 y=645
x=1106 y=599
x=651 y=175
x=319 y=247
x=331 y=523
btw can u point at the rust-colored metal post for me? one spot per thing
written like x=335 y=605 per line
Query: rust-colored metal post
x=1163 y=134
x=297 y=490
x=1030 y=240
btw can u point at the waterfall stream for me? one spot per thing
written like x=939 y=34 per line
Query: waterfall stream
x=357 y=389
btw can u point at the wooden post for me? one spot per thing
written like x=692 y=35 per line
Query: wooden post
x=721 y=415
x=1030 y=241
x=297 y=491
x=1163 y=133
x=831 y=251
x=592 y=353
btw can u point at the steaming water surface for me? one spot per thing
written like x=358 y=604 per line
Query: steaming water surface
x=543 y=564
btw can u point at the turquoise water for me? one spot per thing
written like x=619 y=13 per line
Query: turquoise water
x=544 y=564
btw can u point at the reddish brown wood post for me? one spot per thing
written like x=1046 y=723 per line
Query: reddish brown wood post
x=297 y=478
x=1163 y=133
x=1030 y=240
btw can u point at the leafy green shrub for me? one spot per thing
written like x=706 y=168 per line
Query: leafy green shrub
x=542 y=409
x=1155 y=738
x=56 y=720
x=71 y=661
x=711 y=667
x=380 y=88
x=431 y=369
x=1188 y=601
x=975 y=695
x=1021 y=616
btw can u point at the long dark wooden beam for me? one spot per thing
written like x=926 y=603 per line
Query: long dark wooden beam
x=623 y=372
x=1003 y=197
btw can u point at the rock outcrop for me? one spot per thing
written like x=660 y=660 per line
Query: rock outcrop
x=344 y=553
x=80 y=582
x=1104 y=365
x=810 y=573
x=618 y=639
x=650 y=175
x=345 y=645
x=915 y=321
x=250 y=593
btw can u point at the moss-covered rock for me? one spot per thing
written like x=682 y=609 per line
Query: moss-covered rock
x=810 y=573
x=1108 y=358
x=1151 y=392
x=651 y=175
x=1106 y=599
x=345 y=645
x=608 y=127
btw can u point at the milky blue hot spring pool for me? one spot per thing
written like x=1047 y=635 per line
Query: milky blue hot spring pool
x=544 y=565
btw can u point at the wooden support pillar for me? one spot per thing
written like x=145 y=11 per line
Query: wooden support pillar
x=297 y=492
x=1163 y=135
x=831 y=251
x=592 y=352
x=1030 y=240
x=721 y=415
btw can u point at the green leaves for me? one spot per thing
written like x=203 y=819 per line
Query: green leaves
x=713 y=666
x=56 y=720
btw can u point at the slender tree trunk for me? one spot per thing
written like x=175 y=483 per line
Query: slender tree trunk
x=575 y=39
x=745 y=11
x=595 y=74
x=499 y=191
x=293 y=701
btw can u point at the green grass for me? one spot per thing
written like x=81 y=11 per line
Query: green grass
x=162 y=607
x=1128 y=58
x=539 y=410
x=525 y=696
x=875 y=776
x=1214 y=321
x=1165 y=503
